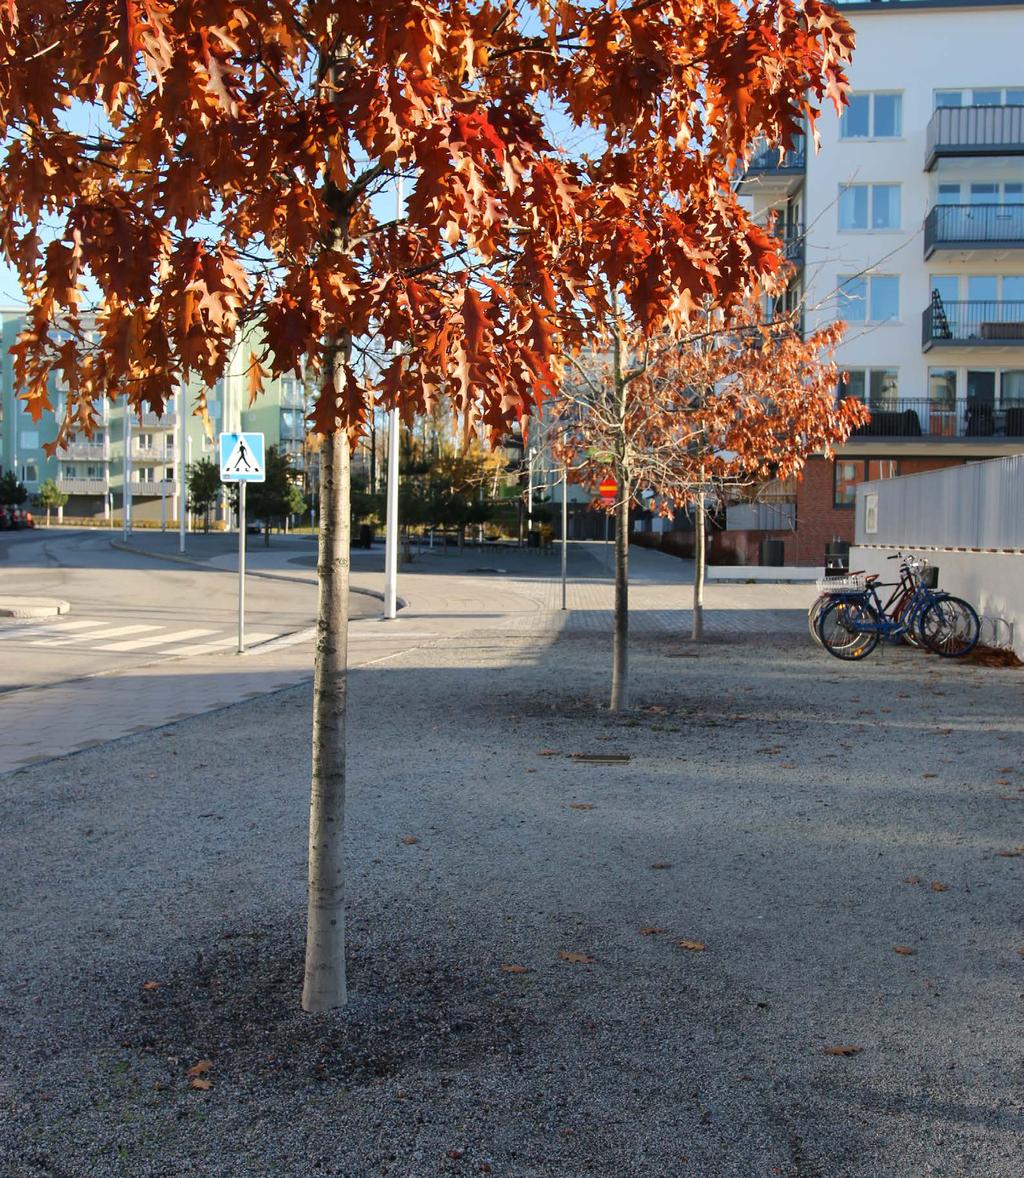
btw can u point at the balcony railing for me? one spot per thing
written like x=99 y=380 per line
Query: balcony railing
x=959 y=131
x=84 y=452
x=778 y=159
x=974 y=226
x=975 y=323
x=902 y=417
x=151 y=421
x=152 y=486
x=155 y=454
x=82 y=486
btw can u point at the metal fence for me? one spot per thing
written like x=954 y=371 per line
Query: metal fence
x=980 y=505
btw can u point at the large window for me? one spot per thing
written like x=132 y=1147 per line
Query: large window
x=872 y=116
x=869 y=206
x=850 y=472
x=869 y=299
x=942 y=386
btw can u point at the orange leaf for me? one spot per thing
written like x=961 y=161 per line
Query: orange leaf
x=1014 y=854
x=410 y=840
x=577 y=958
x=205 y=1085
x=151 y=985
x=548 y=753
x=693 y=946
x=938 y=887
x=651 y=931
x=580 y=806
x=912 y=879
x=842 y=1050
x=660 y=866
x=904 y=950
x=200 y=1068
x=515 y=969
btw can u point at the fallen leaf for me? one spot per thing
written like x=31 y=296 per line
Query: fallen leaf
x=659 y=866
x=151 y=985
x=651 y=931
x=938 y=887
x=904 y=950
x=693 y=946
x=580 y=806
x=1021 y=950
x=1014 y=854
x=842 y=1050
x=531 y=770
x=929 y=774
x=577 y=958
x=548 y=753
x=198 y=1069
x=205 y=1085
x=912 y=879
x=410 y=840
x=515 y=969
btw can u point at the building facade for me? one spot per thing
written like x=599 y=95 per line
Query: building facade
x=140 y=450
x=908 y=224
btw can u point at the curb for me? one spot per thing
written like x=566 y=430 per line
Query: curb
x=33 y=607
x=400 y=602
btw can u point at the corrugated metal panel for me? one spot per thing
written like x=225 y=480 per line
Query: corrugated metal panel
x=760 y=517
x=979 y=505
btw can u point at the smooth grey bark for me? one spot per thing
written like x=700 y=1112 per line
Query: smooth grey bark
x=324 y=987
x=699 y=569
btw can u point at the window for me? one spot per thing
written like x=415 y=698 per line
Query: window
x=29 y=439
x=29 y=473
x=989 y=96
x=942 y=385
x=876 y=387
x=1011 y=387
x=869 y=206
x=850 y=472
x=872 y=116
x=873 y=299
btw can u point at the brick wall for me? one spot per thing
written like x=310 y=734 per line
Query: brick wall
x=818 y=520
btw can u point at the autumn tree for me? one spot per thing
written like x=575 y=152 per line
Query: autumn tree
x=207 y=167
x=740 y=399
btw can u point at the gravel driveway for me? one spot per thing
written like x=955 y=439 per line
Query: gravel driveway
x=797 y=857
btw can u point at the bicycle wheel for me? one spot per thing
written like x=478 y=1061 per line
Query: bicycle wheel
x=906 y=613
x=814 y=615
x=949 y=627
x=849 y=628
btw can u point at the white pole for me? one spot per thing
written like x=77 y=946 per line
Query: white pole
x=241 y=568
x=391 y=540
x=529 y=494
x=126 y=498
x=163 y=501
x=565 y=530
x=182 y=490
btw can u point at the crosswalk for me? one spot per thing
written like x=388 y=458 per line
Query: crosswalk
x=111 y=637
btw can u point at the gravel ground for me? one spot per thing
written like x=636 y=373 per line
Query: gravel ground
x=798 y=817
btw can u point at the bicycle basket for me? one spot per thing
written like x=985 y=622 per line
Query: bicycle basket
x=850 y=584
x=930 y=577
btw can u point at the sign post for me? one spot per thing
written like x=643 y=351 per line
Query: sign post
x=242 y=460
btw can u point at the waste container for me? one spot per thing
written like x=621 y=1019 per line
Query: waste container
x=533 y=540
x=365 y=536
x=837 y=558
x=771 y=553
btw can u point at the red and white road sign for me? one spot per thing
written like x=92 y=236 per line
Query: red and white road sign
x=608 y=489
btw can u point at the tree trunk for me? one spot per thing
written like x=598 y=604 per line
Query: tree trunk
x=620 y=632
x=324 y=986
x=266 y=534
x=47 y=515
x=698 y=569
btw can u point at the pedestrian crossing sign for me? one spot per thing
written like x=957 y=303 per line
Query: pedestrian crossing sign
x=242 y=458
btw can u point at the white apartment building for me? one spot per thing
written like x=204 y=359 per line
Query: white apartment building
x=908 y=223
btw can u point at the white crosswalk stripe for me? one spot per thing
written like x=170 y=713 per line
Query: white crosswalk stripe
x=112 y=637
x=100 y=630
x=156 y=640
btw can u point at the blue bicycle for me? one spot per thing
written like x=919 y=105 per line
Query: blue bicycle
x=854 y=620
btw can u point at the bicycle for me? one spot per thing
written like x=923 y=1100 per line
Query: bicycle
x=911 y=570
x=850 y=626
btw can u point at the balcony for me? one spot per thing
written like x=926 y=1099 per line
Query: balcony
x=974 y=227
x=152 y=487
x=972 y=324
x=905 y=418
x=775 y=170
x=792 y=238
x=959 y=132
x=149 y=420
x=82 y=486
x=84 y=452
x=152 y=454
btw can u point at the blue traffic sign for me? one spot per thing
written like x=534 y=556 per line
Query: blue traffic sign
x=242 y=458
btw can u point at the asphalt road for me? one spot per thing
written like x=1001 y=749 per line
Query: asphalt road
x=129 y=610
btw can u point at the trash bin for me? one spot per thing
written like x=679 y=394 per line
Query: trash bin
x=365 y=536
x=533 y=540
x=837 y=558
x=771 y=553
